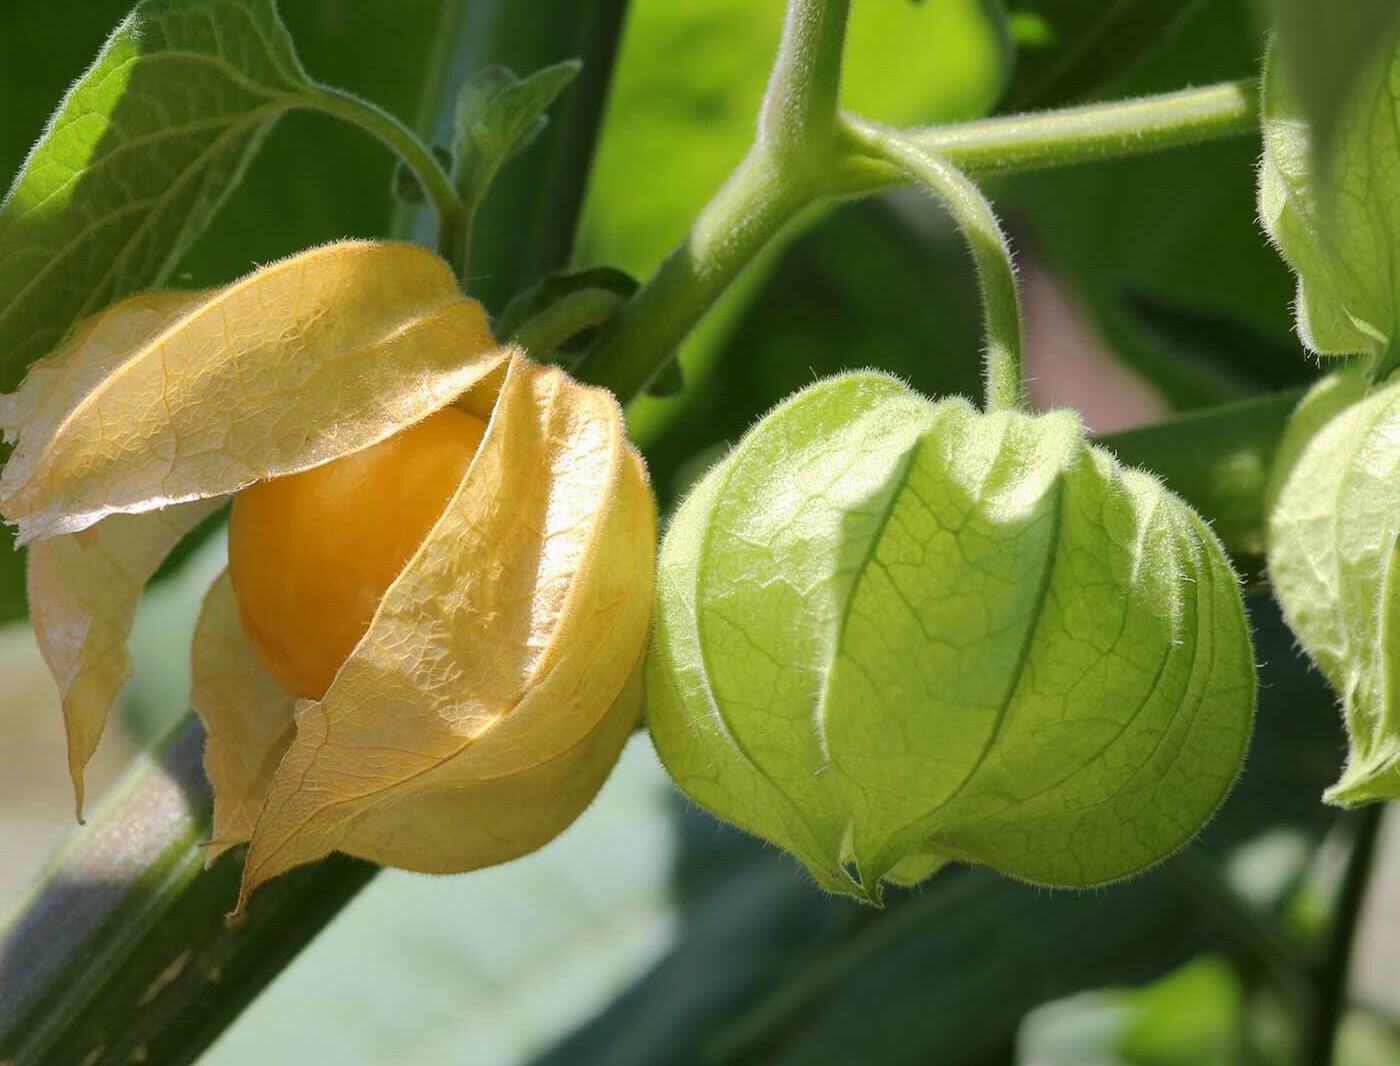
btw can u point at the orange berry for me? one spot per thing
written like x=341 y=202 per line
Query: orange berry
x=312 y=554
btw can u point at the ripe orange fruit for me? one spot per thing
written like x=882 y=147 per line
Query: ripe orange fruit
x=312 y=554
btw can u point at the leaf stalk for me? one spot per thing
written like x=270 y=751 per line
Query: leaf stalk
x=454 y=224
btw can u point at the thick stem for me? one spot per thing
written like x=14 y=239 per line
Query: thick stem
x=798 y=116
x=1335 y=968
x=696 y=273
x=749 y=212
x=122 y=952
x=1092 y=132
x=991 y=252
x=437 y=185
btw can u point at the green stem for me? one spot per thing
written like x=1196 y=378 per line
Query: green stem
x=542 y=334
x=1101 y=131
x=696 y=273
x=798 y=116
x=453 y=224
x=122 y=953
x=747 y=214
x=991 y=252
x=1335 y=968
x=1254 y=932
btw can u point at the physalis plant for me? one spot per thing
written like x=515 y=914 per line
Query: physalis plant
x=426 y=652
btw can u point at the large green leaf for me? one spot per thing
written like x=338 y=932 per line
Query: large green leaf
x=137 y=158
x=1068 y=48
x=317 y=178
x=483 y=969
x=1332 y=209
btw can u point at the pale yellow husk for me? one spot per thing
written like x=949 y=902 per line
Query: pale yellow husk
x=497 y=682
x=172 y=397
x=168 y=398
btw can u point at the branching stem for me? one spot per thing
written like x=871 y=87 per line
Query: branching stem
x=991 y=252
x=798 y=117
x=762 y=199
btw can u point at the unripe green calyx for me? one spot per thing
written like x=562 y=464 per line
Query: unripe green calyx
x=1334 y=525
x=892 y=632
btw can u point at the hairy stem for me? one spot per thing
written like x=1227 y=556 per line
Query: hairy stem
x=742 y=218
x=1092 y=132
x=453 y=223
x=798 y=116
x=748 y=213
x=991 y=252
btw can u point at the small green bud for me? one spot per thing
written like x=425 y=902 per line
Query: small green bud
x=892 y=633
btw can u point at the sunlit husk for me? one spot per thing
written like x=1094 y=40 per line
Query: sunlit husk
x=491 y=693
x=976 y=638
x=247 y=715
x=500 y=676
x=174 y=397
x=1336 y=578
x=83 y=592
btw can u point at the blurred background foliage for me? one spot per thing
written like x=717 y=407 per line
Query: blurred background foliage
x=648 y=933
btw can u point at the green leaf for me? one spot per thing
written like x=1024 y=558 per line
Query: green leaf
x=136 y=160
x=669 y=380
x=569 y=926
x=1244 y=358
x=1325 y=50
x=983 y=640
x=1333 y=213
x=1218 y=460
x=498 y=116
x=1189 y=1016
x=1068 y=48
x=406 y=186
x=1333 y=528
